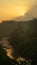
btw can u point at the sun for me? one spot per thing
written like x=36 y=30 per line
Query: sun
x=21 y=11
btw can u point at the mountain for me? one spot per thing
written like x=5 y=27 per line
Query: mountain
x=32 y=13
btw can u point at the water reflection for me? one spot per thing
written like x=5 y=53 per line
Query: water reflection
x=5 y=44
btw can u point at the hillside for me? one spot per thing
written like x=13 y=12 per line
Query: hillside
x=8 y=26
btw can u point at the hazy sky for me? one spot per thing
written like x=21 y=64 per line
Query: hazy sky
x=10 y=9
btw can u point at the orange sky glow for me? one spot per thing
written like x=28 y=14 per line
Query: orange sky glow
x=12 y=12
x=10 y=9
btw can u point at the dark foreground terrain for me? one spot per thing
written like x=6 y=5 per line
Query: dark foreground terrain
x=22 y=37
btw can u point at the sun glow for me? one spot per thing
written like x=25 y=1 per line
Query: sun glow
x=11 y=12
x=21 y=11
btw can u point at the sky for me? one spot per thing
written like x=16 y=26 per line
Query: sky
x=10 y=9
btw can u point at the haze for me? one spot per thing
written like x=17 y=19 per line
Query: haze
x=10 y=9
